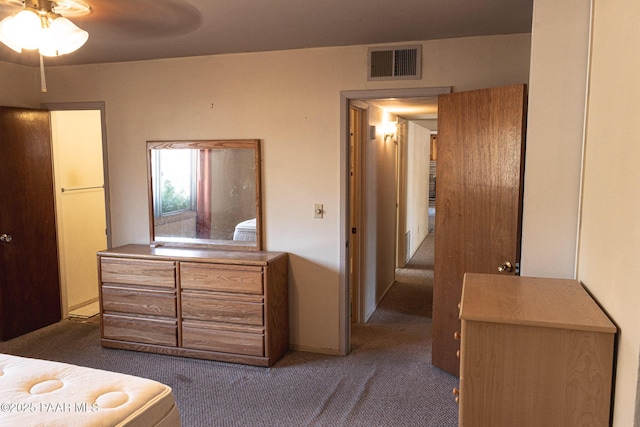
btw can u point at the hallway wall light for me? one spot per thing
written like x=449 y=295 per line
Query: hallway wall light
x=390 y=131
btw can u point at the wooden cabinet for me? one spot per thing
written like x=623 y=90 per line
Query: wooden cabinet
x=534 y=352
x=219 y=305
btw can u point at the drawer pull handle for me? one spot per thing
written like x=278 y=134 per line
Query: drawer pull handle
x=456 y=394
x=456 y=335
x=458 y=354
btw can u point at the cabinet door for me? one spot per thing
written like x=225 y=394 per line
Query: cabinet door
x=529 y=376
x=30 y=290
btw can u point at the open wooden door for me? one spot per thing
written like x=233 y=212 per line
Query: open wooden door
x=478 y=200
x=29 y=282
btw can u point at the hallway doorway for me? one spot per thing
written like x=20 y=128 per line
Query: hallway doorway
x=79 y=163
x=376 y=269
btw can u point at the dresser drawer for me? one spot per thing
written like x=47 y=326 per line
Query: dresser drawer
x=227 y=278
x=138 y=272
x=221 y=309
x=206 y=337
x=138 y=329
x=139 y=301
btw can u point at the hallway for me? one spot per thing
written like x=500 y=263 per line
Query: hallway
x=396 y=341
x=417 y=277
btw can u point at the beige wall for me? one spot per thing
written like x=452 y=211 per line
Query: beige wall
x=419 y=147
x=19 y=85
x=379 y=216
x=559 y=50
x=610 y=233
x=291 y=101
x=607 y=230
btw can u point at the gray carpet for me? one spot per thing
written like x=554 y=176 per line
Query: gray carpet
x=387 y=380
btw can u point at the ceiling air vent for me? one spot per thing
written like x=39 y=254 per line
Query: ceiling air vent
x=395 y=63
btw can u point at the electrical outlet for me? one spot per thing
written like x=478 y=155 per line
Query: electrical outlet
x=318 y=211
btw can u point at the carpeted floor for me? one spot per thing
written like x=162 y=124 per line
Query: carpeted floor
x=387 y=379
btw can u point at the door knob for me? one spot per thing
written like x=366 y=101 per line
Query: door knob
x=505 y=267
x=6 y=238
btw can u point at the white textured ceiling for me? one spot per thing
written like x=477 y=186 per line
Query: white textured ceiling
x=130 y=30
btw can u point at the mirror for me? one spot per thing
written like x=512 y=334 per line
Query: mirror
x=205 y=194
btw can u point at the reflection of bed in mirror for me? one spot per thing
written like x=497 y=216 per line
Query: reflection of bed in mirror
x=245 y=231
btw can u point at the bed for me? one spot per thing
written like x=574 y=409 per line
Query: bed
x=245 y=230
x=36 y=392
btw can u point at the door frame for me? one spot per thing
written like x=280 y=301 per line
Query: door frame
x=344 y=283
x=401 y=193
x=358 y=131
x=84 y=106
x=67 y=106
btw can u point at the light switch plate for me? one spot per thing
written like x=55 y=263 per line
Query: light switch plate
x=318 y=211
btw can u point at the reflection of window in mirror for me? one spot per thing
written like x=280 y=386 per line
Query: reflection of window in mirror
x=176 y=189
x=175 y=201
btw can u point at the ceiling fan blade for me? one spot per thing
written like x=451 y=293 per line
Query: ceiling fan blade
x=122 y=19
x=7 y=7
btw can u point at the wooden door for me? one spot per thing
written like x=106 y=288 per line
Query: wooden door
x=29 y=281
x=478 y=200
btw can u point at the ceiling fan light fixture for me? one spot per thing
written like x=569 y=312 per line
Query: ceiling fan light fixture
x=38 y=27
x=23 y=29
x=3 y=35
x=62 y=37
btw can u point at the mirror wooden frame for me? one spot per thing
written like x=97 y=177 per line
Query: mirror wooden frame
x=188 y=242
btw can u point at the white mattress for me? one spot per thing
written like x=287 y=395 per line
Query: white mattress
x=36 y=392
x=246 y=230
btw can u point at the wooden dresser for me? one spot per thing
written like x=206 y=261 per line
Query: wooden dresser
x=221 y=305
x=534 y=352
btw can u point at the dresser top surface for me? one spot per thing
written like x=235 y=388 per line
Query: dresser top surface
x=552 y=303
x=193 y=254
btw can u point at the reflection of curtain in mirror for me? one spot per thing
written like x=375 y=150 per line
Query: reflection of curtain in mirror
x=203 y=225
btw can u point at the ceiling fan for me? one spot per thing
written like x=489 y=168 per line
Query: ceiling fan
x=63 y=7
x=119 y=30
x=40 y=25
x=120 y=20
